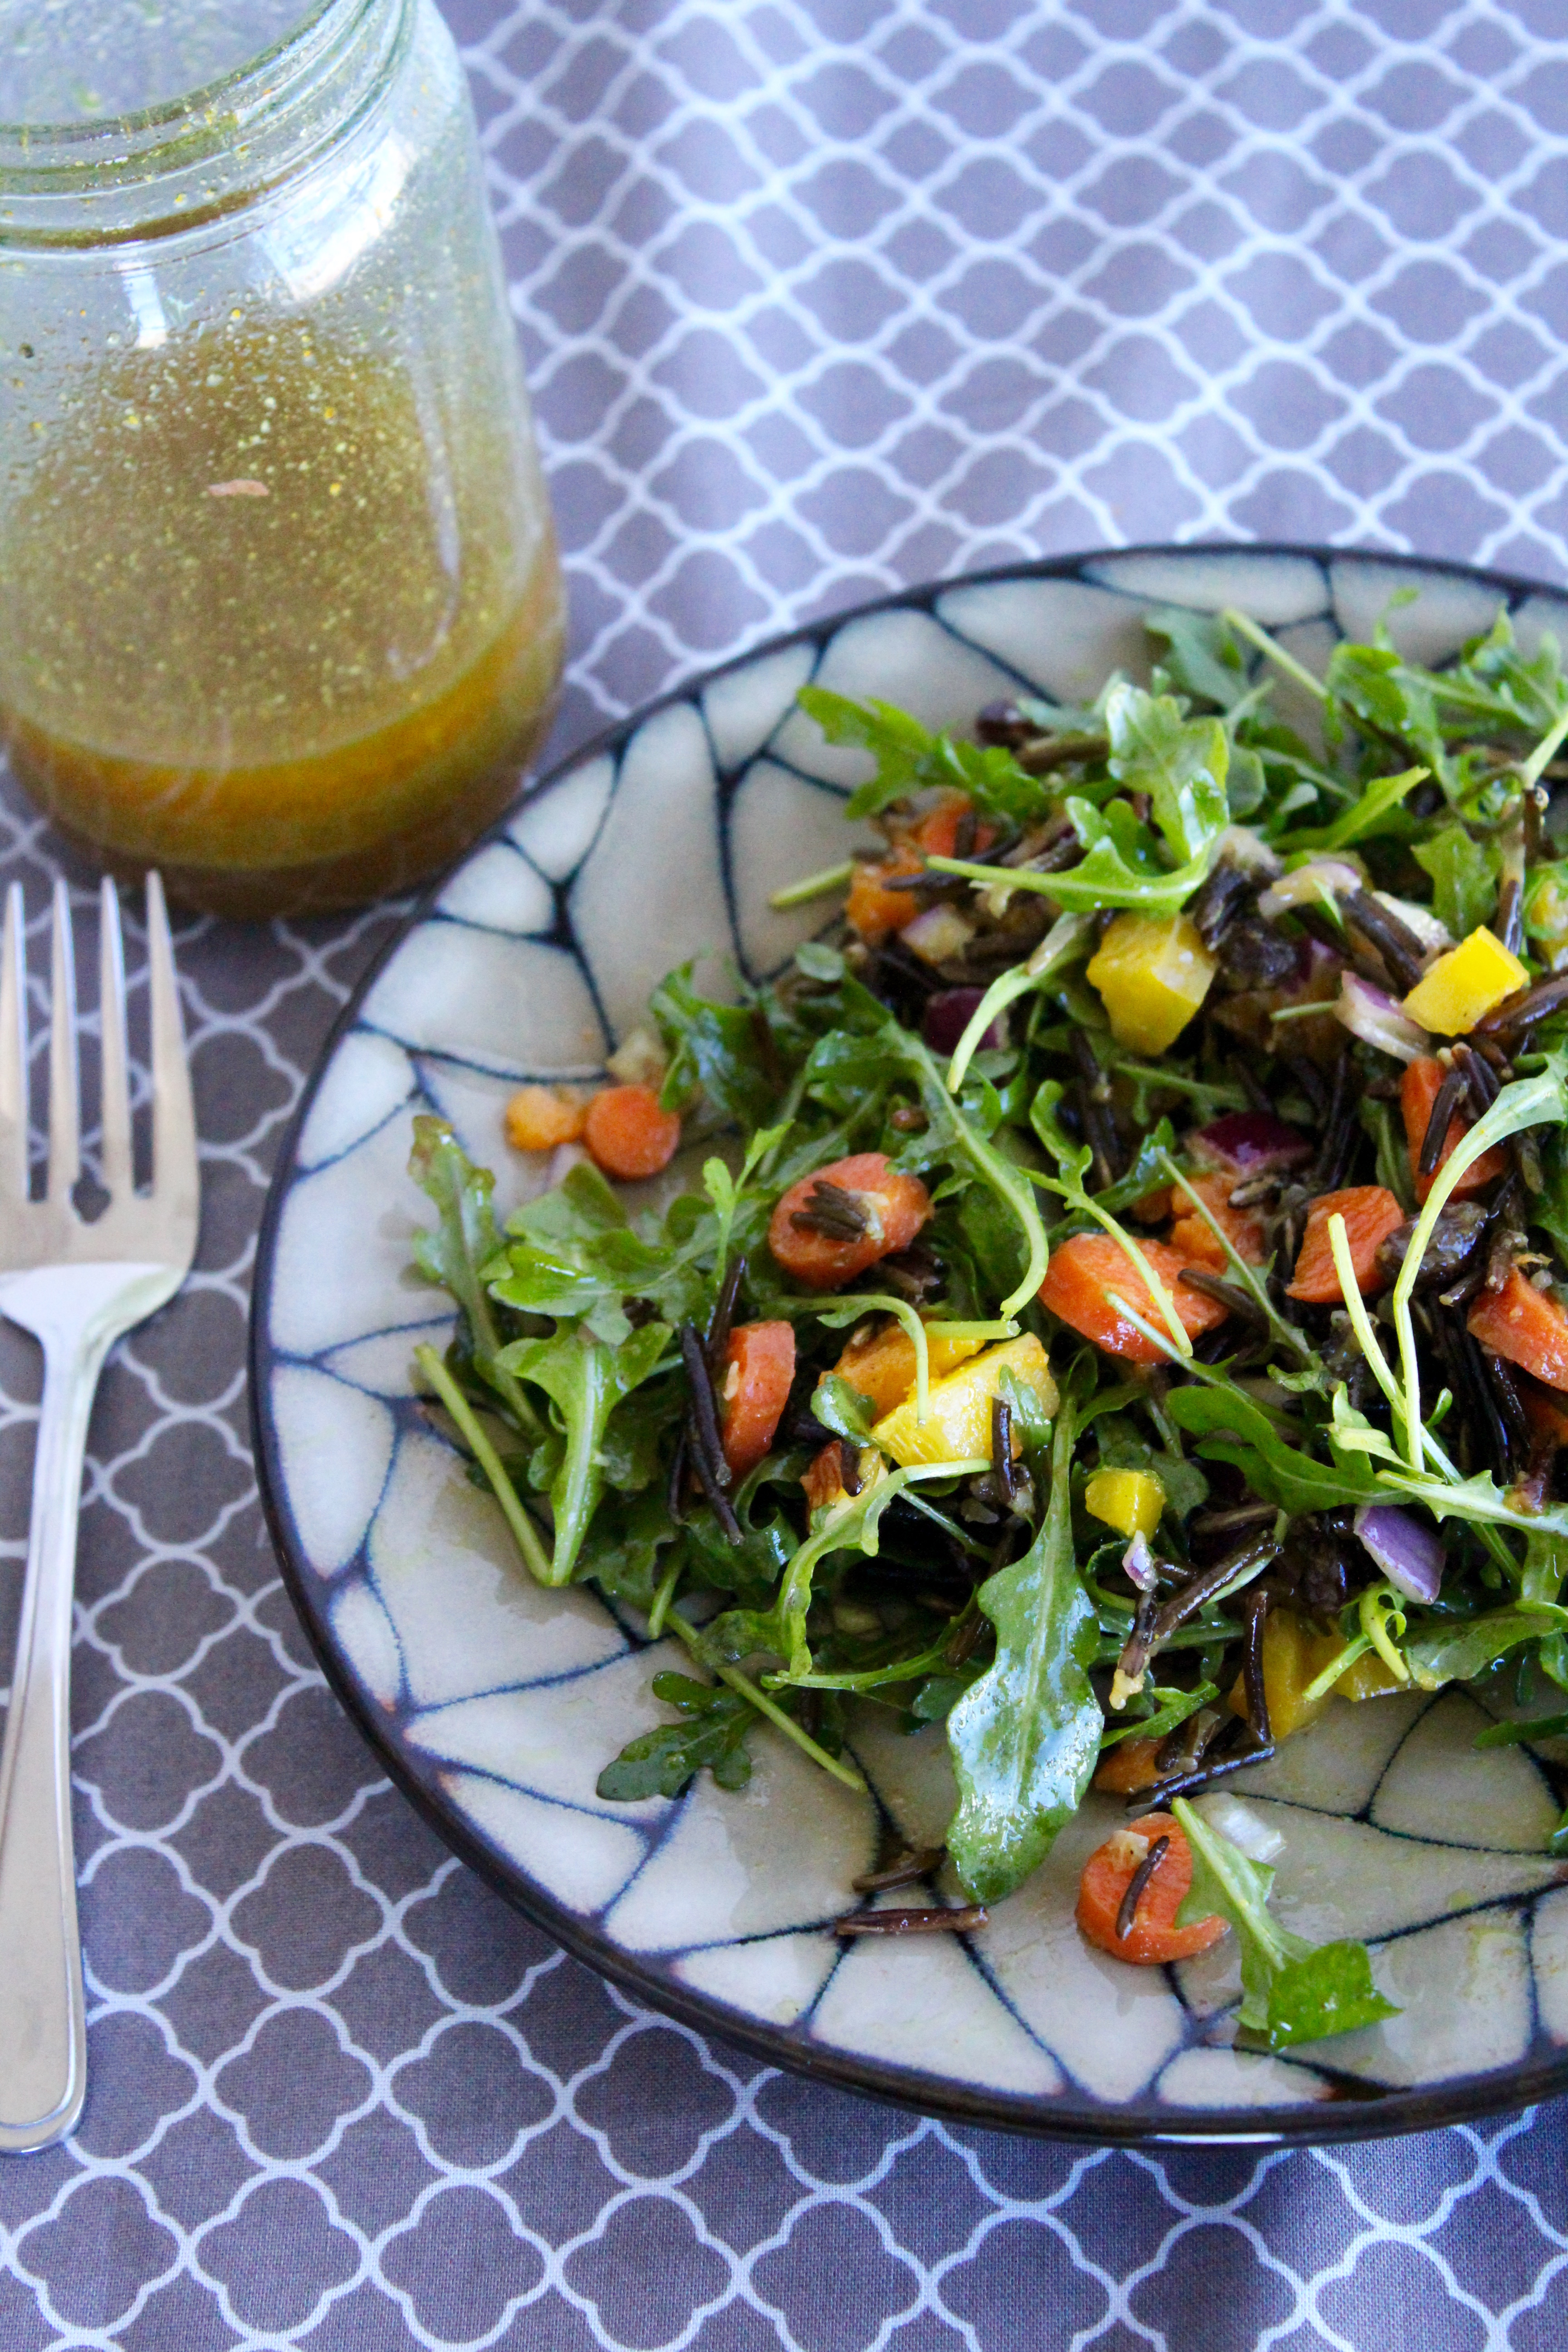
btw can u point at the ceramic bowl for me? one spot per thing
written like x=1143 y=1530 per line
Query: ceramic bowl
x=494 y=1705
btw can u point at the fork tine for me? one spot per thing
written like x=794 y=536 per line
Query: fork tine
x=174 y=1176
x=65 y=1153
x=14 y=1050
x=115 y=1155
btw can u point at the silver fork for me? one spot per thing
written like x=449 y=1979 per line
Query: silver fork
x=78 y=1287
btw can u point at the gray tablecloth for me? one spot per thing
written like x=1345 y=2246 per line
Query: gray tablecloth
x=817 y=296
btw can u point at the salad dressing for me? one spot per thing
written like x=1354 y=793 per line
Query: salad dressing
x=295 y=643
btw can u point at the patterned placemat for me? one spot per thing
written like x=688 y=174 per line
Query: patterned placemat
x=818 y=296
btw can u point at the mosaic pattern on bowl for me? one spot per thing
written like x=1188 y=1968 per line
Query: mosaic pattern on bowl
x=498 y=1704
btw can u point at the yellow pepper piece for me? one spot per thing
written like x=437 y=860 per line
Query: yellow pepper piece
x=1131 y=1501
x=1465 y=986
x=1153 y=975
x=957 y=1426
x=882 y=1365
x=1294 y=1654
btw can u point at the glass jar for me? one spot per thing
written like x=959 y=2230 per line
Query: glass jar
x=279 y=605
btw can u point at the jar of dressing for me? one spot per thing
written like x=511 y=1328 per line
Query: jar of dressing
x=280 y=605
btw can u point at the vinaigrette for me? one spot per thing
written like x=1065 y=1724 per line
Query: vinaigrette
x=282 y=625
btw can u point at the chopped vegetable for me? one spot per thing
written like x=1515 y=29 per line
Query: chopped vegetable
x=832 y=1225
x=1091 y=1277
x=1465 y=986
x=1149 y=1937
x=1193 y=1238
x=1418 y=1091
x=1371 y=1213
x=1152 y=974
x=629 y=1134
x=537 y=1119
x=879 y=1362
x=759 y=1368
x=1131 y=1501
x=958 y=1421
x=1526 y=1326
x=873 y=907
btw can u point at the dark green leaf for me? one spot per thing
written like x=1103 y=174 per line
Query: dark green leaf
x=909 y=758
x=461 y=1244
x=712 y=1732
x=842 y=1409
x=722 y=1048
x=1464 y=874
x=1180 y=762
x=1198 y=655
x=1329 y=1992
x=585 y=1379
x=1025 y=1738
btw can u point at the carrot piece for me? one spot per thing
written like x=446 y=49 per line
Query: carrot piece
x=537 y=1119
x=629 y=1134
x=759 y=1366
x=1547 y=1416
x=1417 y=1093
x=894 y=1208
x=1524 y=1325
x=871 y=909
x=1089 y=1266
x=1131 y=1764
x=937 y=832
x=1191 y=1238
x=1371 y=1213
x=1155 y=1939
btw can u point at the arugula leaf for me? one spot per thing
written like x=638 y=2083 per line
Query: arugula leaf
x=1463 y=872
x=463 y=1241
x=1180 y=762
x=1026 y=1737
x=1291 y=1991
x=585 y=1379
x=1237 y=1430
x=712 y=1732
x=620 y=1554
x=1200 y=654
x=1377 y=810
x=842 y=1409
x=909 y=758
x=1465 y=1647
x=722 y=1048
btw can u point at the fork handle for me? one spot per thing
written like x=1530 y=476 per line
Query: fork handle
x=43 y=2025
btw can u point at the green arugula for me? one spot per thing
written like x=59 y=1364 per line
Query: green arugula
x=584 y=1379
x=1463 y=872
x=911 y=759
x=1025 y=1736
x=461 y=1244
x=1291 y=1991
x=711 y=1732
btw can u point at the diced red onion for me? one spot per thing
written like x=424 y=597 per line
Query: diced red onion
x=1371 y=1015
x=1139 y=1563
x=1248 y=1142
x=1409 y=1555
x=948 y=1015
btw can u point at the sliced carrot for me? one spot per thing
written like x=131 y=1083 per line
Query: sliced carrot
x=1546 y=1414
x=1085 y=1268
x=629 y=1134
x=759 y=1366
x=1526 y=1326
x=1191 y=1237
x=1371 y=1213
x=1131 y=1764
x=871 y=909
x=894 y=1208
x=937 y=832
x=1417 y=1093
x=537 y=1119
x=1154 y=1939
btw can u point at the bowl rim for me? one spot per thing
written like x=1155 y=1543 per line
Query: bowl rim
x=1352 y=2112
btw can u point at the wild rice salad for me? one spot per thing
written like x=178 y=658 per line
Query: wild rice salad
x=1125 y=1312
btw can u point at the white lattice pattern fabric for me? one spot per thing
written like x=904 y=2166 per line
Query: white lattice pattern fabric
x=816 y=300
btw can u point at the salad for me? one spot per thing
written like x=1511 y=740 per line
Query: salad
x=1124 y=1311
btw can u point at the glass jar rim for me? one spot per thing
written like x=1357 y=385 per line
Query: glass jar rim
x=69 y=183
